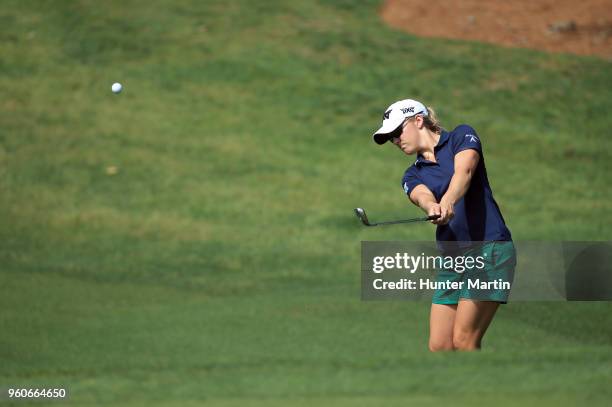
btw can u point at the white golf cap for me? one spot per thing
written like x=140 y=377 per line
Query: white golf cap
x=395 y=115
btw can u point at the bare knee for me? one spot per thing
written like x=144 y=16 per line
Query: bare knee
x=466 y=340
x=440 y=346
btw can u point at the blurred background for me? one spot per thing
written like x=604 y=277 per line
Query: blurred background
x=191 y=240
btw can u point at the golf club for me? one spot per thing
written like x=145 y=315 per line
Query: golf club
x=360 y=212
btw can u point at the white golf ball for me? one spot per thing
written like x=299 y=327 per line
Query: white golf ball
x=116 y=88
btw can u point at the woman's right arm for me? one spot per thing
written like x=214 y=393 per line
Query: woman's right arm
x=422 y=197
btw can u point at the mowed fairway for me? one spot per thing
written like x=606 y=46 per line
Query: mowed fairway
x=191 y=240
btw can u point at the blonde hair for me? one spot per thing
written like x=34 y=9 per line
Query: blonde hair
x=431 y=121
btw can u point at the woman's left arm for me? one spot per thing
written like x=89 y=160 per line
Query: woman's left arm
x=466 y=162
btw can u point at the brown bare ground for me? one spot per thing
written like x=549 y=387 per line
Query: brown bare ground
x=581 y=27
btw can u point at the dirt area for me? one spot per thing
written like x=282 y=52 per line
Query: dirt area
x=579 y=27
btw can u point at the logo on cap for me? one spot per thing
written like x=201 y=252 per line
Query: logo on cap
x=386 y=114
x=407 y=109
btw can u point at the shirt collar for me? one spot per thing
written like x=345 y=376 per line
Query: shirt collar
x=444 y=136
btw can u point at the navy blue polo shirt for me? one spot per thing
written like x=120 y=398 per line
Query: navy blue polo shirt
x=477 y=216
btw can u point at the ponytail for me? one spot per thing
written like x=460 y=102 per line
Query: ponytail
x=431 y=121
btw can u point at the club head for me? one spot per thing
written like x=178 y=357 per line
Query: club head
x=360 y=212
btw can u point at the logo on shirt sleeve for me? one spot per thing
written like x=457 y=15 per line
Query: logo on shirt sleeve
x=472 y=138
x=406 y=188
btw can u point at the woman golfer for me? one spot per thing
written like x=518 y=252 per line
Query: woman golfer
x=449 y=179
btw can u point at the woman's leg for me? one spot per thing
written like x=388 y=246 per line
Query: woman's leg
x=471 y=322
x=441 y=322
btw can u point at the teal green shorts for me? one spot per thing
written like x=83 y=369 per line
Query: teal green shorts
x=488 y=278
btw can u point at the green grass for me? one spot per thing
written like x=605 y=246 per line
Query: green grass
x=221 y=262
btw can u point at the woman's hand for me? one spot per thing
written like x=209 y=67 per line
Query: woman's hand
x=425 y=199
x=447 y=212
x=434 y=209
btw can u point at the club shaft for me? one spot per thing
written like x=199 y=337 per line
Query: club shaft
x=391 y=222
x=360 y=212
